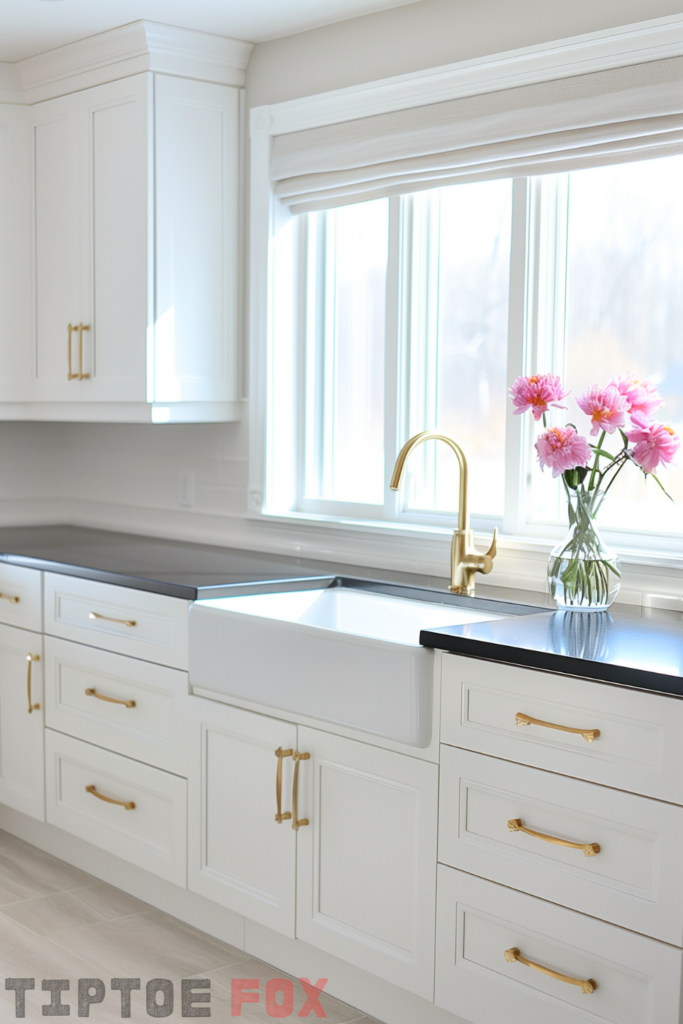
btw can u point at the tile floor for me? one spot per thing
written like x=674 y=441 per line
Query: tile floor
x=58 y=922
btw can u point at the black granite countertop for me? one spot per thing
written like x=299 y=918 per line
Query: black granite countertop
x=612 y=646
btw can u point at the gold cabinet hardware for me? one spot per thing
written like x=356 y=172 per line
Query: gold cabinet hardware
x=92 y=692
x=589 y=849
x=31 y=706
x=81 y=375
x=466 y=561
x=70 y=374
x=10 y=598
x=128 y=804
x=107 y=618
x=297 y=822
x=280 y=755
x=514 y=956
x=588 y=734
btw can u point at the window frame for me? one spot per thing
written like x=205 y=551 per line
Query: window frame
x=536 y=290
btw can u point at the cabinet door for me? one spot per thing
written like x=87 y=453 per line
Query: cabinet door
x=58 y=249
x=239 y=855
x=21 y=729
x=117 y=209
x=366 y=871
x=16 y=366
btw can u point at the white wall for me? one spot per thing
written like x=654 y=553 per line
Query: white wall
x=128 y=476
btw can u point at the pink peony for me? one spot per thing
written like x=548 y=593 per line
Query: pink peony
x=537 y=393
x=606 y=407
x=654 y=442
x=562 y=448
x=641 y=395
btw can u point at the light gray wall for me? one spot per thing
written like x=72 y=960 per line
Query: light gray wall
x=424 y=35
x=128 y=476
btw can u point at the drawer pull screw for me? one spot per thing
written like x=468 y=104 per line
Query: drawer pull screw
x=589 y=849
x=514 y=956
x=588 y=734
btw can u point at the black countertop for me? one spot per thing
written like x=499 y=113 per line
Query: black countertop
x=612 y=647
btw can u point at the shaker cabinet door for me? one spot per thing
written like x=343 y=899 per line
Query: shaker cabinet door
x=366 y=871
x=239 y=855
x=22 y=762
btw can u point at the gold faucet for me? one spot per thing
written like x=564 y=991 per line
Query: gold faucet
x=465 y=559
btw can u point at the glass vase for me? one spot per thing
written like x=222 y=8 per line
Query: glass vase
x=583 y=573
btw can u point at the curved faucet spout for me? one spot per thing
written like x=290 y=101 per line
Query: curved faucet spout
x=466 y=561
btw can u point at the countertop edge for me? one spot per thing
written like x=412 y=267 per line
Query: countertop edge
x=180 y=590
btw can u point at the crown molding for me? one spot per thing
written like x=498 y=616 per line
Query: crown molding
x=121 y=52
x=644 y=41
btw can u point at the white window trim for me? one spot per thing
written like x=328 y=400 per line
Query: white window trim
x=521 y=562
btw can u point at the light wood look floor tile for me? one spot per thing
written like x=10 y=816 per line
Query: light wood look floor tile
x=26 y=872
x=53 y=915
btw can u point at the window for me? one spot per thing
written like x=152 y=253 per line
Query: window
x=401 y=314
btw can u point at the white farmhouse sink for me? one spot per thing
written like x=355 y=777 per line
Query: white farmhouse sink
x=342 y=655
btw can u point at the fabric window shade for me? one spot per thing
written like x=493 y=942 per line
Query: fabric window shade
x=629 y=113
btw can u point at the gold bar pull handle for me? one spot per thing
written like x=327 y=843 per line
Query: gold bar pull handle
x=128 y=804
x=10 y=598
x=588 y=734
x=514 y=956
x=106 y=618
x=297 y=822
x=280 y=755
x=31 y=706
x=92 y=692
x=70 y=375
x=589 y=849
x=81 y=375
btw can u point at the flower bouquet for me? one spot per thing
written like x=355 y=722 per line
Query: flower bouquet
x=583 y=573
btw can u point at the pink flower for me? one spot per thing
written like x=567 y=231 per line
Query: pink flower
x=606 y=407
x=641 y=395
x=562 y=448
x=654 y=442
x=537 y=393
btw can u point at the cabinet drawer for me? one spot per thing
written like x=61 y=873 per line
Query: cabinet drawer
x=151 y=834
x=148 y=626
x=638 y=980
x=633 y=880
x=21 y=601
x=125 y=705
x=638 y=747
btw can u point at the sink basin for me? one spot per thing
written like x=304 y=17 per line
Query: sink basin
x=338 y=650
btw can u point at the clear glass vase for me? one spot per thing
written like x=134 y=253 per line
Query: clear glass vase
x=583 y=573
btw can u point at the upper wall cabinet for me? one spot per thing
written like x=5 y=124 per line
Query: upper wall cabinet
x=132 y=214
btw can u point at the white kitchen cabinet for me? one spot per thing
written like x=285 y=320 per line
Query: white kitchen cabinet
x=15 y=254
x=366 y=863
x=135 y=252
x=21 y=721
x=239 y=856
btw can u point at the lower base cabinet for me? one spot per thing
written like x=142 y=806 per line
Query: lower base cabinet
x=21 y=721
x=636 y=980
x=357 y=878
x=132 y=810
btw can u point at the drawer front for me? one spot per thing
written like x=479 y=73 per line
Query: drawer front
x=134 y=622
x=21 y=597
x=638 y=747
x=634 y=878
x=637 y=979
x=131 y=707
x=151 y=834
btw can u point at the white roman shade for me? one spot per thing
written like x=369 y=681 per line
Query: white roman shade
x=604 y=117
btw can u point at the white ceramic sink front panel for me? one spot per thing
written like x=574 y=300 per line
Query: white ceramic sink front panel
x=344 y=656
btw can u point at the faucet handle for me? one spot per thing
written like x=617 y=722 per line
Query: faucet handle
x=487 y=559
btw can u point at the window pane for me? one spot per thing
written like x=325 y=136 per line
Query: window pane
x=345 y=427
x=625 y=310
x=464 y=352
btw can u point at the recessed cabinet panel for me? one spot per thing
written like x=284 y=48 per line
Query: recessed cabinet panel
x=21 y=722
x=239 y=855
x=196 y=237
x=115 y=346
x=367 y=858
x=21 y=597
x=16 y=291
x=634 y=980
x=59 y=298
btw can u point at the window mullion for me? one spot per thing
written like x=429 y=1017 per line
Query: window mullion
x=393 y=353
